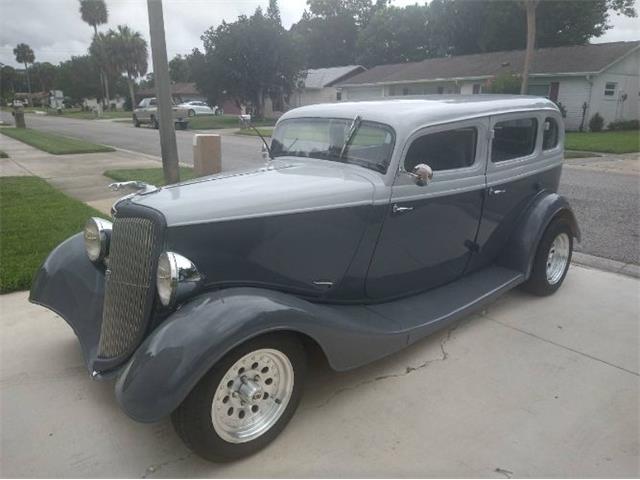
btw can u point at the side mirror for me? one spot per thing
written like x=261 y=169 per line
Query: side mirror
x=422 y=173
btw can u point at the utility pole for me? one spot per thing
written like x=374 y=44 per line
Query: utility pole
x=168 y=146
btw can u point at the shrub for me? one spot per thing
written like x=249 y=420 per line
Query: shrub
x=503 y=83
x=596 y=123
x=624 y=125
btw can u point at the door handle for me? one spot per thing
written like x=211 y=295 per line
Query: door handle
x=399 y=210
x=497 y=191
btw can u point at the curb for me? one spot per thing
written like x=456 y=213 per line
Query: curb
x=606 y=264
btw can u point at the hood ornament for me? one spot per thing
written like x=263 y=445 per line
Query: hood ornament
x=136 y=184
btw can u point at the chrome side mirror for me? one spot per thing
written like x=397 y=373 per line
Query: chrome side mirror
x=422 y=174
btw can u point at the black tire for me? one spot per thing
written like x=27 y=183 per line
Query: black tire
x=192 y=419
x=136 y=122
x=192 y=113
x=154 y=123
x=538 y=283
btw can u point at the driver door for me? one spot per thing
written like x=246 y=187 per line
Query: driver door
x=429 y=232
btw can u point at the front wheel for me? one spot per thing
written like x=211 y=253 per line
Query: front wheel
x=245 y=400
x=552 y=259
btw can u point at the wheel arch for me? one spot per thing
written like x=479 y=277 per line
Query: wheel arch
x=179 y=352
x=521 y=248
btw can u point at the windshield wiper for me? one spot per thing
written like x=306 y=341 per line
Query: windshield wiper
x=352 y=131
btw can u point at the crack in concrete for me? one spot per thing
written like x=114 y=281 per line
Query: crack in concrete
x=151 y=469
x=506 y=473
x=408 y=370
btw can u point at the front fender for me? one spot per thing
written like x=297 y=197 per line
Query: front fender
x=523 y=243
x=179 y=352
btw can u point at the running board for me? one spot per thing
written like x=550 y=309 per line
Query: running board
x=422 y=314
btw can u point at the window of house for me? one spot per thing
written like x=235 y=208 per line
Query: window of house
x=550 y=133
x=405 y=91
x=338 y=96
x=610 y=89
x=539 y=90
x=476 y=88
x=443 y=150
x=513 y=139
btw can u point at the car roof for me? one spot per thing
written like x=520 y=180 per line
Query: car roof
x=408 y=112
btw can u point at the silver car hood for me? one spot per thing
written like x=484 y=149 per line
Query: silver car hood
x=283 y=187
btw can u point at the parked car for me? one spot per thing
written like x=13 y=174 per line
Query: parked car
x=373 y=225
x=196 y=107
x=147 y=113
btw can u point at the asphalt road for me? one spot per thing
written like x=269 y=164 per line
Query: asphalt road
x=237 y=152
x=606 y=203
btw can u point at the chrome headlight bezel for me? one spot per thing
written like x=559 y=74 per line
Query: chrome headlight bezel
x=96 y=234
x=176 y=278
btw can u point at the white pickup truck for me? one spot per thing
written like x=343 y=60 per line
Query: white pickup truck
x=147 y=112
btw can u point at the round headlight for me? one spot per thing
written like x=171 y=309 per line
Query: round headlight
x=97 y=232
x=176 y=278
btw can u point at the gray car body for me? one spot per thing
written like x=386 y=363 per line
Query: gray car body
x=300 y=246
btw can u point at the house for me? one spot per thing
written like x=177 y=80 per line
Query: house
x=586 y=79
x=318 y=85
x=116 y=103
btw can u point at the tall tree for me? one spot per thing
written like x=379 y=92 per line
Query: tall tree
x=94 y=13
x=45 y=73
x=180 y=69
x=102 y=49
x=129 y=52
x=248 y=60
x=326 y=41
x=530 y=7
x=78 y=78
x=395 y=35
x=8 y=80
x=24 y=54
x=273 y=12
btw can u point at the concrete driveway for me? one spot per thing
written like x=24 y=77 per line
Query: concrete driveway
x=529 y=387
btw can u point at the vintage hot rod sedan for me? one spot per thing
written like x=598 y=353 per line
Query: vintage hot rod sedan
x=371 y=225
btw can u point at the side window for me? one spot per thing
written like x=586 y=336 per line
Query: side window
x=550 y=134
x=152 y=102
x=443 y=150
x=513 y=139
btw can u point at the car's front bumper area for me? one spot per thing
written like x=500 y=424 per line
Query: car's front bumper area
x=69 y=284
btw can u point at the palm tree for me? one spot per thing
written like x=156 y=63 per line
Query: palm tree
x=130 y=55
x=24 y=54
x=94 y=12
x=530 y=7
x=103 y=50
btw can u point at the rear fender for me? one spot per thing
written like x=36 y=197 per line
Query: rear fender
x=179 y=352
x=521 y=248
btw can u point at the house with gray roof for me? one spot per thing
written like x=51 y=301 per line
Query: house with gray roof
x=318 y=85
x=585 y=79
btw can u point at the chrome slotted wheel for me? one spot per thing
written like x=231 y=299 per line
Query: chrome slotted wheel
x=252 y=395
x=558 y=258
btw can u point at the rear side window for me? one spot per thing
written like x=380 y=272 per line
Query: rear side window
x=550 y=134
x=513 y=139
x=443 y=150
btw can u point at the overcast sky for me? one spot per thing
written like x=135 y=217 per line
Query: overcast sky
x=55 y=31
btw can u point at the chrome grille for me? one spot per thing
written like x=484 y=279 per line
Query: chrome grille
x=128 y=286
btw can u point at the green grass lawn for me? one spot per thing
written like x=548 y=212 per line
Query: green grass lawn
x=153 y=176
x=55 y=144
x=3 y=154
x=265 y=132
x=609 y=142
x=206 y=122
x=34 y=218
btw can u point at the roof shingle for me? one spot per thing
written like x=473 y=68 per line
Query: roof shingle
x=572 y=59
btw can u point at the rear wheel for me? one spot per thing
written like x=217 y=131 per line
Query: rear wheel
x=136 y=122
x=245 y=400
x=154 y=123
x=552 y=259
x=192 y=113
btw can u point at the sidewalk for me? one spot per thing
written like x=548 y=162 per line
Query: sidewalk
x=79 y=175
x=532 y=387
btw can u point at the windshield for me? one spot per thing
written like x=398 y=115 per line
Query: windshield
x=370 y=145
